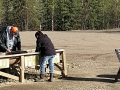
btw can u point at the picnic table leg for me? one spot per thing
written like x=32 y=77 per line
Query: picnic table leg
x=116 y=78
x=21 y=69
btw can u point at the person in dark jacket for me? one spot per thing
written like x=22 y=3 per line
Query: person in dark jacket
x=47 y=51
x=10 y=39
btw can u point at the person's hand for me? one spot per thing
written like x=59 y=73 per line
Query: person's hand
x=19 y=51
x=8 y=52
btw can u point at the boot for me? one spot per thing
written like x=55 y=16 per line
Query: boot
x=51 y=77
x=41 y=78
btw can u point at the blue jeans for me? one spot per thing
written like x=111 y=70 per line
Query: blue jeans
x=50 y=61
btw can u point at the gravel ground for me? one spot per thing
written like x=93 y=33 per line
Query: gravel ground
x=91 y=61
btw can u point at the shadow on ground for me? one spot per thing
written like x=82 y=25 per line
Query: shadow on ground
x=99 y=78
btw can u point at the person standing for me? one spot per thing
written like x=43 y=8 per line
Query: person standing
x=47 y=51
x=10 y=40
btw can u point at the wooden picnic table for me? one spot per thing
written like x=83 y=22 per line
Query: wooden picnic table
x=29 y=59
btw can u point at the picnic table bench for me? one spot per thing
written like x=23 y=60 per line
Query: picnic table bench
x=30 y=59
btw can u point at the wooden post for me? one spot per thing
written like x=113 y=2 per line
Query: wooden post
x=22 y=69
x=64 y=63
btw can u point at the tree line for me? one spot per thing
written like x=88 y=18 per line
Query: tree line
x=60 y=15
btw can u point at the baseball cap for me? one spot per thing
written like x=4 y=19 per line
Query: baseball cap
x=14 y=29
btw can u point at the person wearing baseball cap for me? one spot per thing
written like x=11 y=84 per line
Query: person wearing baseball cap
x=10 y=39
x=9 y=42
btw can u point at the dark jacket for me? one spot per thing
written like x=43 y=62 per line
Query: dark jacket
x=3 y=41
x=45 y=46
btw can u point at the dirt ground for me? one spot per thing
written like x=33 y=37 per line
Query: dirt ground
x=91 y=60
